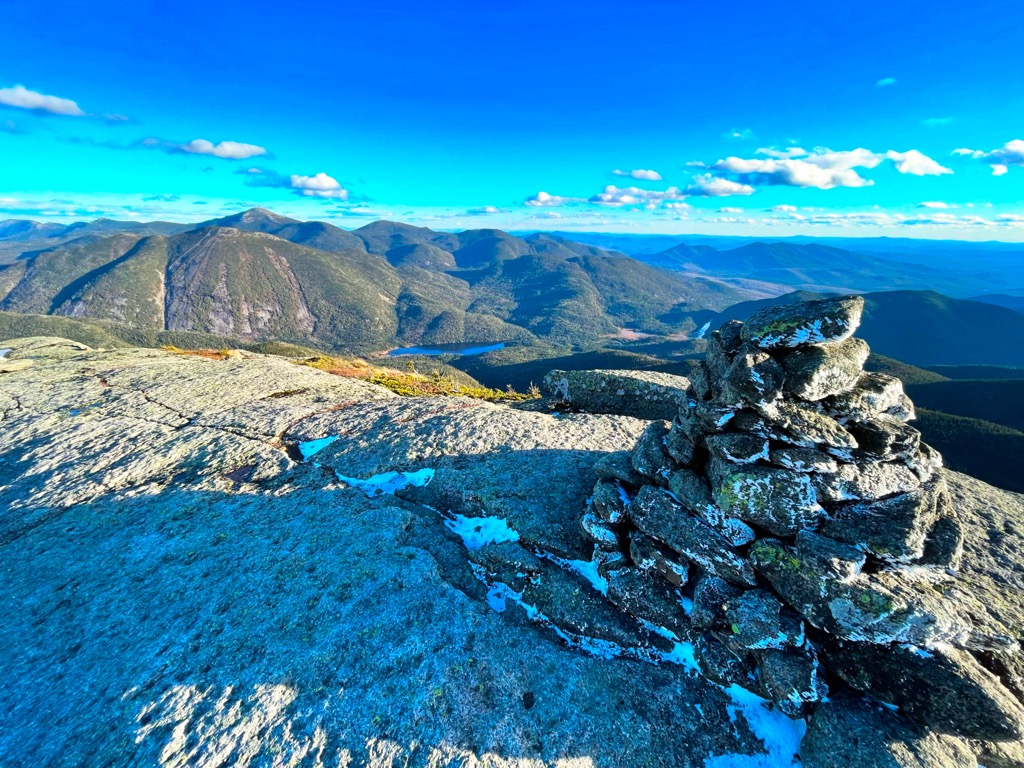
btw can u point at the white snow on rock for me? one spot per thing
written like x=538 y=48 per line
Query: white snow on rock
x=703 y=329
x=5 y=352
x=312 y=447
x=780 y=735
x=477 y=532
x=389 y=482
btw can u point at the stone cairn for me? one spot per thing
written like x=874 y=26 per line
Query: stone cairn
x=792 y=526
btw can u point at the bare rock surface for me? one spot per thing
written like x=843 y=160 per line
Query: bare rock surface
x=181 y=588
x=642 y=394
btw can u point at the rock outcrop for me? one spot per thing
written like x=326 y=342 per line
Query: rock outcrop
x=808 y=534
x=251 y=562
x=643 y=394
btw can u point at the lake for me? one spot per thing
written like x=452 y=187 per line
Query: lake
x=448 y=349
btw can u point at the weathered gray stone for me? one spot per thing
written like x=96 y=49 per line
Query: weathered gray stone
x=650 y=457
x=648 y=597
x=609 y=502
x=944 y=545
x=649 y=555
x=780 y=500
x=711 y=598
x=603 y=537
x=816 y=372
x=681 y=448
x=811 y=322
x=641 y=394
x=658 y=515
x=717 y=359
x=879 y=608
x=946 y=689
x=738 y=447
x=691 y=490
x=803 y=460
x=864 y=482
x=730 y=335
x=848 y=730
x=713 y=417
x=792 y=679
x=618 y=465
x=509 y=563
x=754 y=376
x=700 y=382
x=721 y=665
x=884 y=438
x=875 y=394
x=807 y=427
x=893 y=529
x=759 y=621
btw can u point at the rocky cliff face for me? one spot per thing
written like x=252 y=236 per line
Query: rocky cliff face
x=250 y=562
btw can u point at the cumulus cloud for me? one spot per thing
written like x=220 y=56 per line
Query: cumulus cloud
x=886 y=81
x=707 y=185
x=619 y=196
x=729 y=209
x=821 y=168
x=916 y=164
x=678 y=206
x=803 y=172
x=738 y=133
x=640 y=173
x=228 y=150
x=319 y=185
x=544 y=200
x=21 y=97
x=783 y=209
x=485 y=210
x=1000 y=160
x=934 y=204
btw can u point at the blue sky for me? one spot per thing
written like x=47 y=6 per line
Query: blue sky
x=868 y=118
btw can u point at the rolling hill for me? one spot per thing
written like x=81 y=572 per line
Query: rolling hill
x=260 y=276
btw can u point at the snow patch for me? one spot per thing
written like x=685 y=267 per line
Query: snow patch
x=780 y=735
x=313 y=447
x=703 y=329
x=389 y=482
x=5 y=352
x=477 y=532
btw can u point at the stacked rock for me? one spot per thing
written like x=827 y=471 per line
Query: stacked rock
x=803 y=529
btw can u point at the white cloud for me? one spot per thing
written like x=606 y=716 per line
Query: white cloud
x=544 y=200
x=318 y=185
x=21 y=97
x=934 y=204
x=916 y=163
x=729 y=209
x=886 y=81
x=228 y=150
x=707 y=185
x=801 y=172
x=1010 y=154
x=640 y=173
x=485 y=210
x=783 y=209
x=739 y=133
x=821 y=168
x=678 y=206
x=619 y=196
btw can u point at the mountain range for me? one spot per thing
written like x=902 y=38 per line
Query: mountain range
x=257 y=275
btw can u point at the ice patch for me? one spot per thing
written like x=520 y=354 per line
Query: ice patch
x=477 y=532
x=389 y=482
x=313 y=447
x=780 y=735
x=585 y=568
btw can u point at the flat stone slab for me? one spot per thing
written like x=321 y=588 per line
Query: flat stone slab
x=641 y=394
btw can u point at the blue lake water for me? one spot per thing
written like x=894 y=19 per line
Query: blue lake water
x=448 y=349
